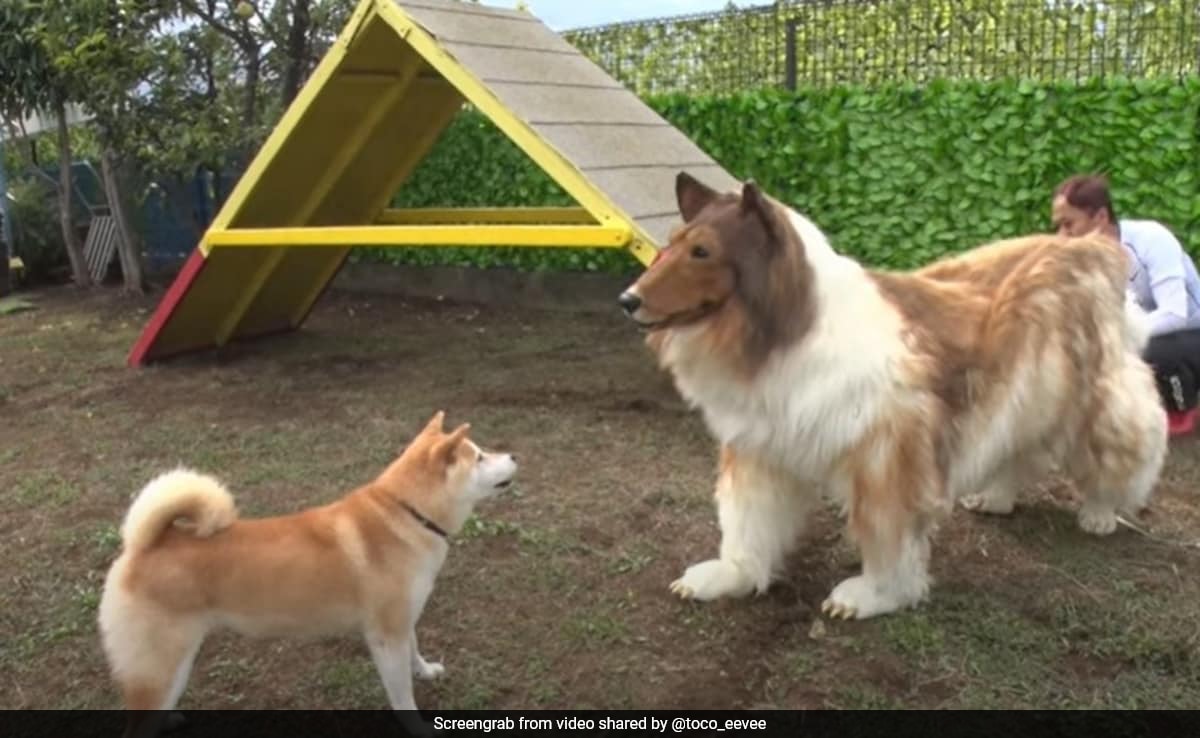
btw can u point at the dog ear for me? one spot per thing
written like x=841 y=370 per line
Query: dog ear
x=754 y=202
x=692 y=195
x=435 y=423
x=445 y=449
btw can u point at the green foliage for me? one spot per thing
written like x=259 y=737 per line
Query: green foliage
x=37 y=236
x=900 y=175
x=840 y=41
x=896 y=175
x=27 y=79
x=104 y=51
x=474 y=165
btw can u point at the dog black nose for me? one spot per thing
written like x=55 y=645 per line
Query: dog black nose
x=629 y=302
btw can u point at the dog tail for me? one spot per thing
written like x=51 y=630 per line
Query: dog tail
x=197 y=500
x=1137 y=326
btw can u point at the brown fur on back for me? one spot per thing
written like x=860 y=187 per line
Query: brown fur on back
x=899 y=391
x=966 y=313
x=244 y=568
x=969 y=320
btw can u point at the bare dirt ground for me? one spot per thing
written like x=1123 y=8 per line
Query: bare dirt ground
x=555 y=595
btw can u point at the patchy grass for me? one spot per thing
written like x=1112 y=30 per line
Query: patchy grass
x=555 y=595
x=13 y=305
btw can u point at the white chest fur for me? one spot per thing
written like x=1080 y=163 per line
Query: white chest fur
x=813 y=400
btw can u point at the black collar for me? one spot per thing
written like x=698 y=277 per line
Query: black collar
x=424 y=520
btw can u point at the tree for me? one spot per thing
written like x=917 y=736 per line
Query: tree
x=29 y=83
x=106 y=52
x=297 y=54
x=174 y=88
x=277 y=44
x=243 y=25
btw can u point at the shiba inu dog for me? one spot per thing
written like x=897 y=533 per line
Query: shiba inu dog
x=365 y=563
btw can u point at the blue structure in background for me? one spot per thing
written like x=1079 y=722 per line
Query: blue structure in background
x=172 y=218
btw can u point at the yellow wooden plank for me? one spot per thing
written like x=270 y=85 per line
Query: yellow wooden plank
x=348 y=147
x=412 y=216
x=291 y=118
x=423 y=235
x=241 y=302
x=643 y=249
x=352 y=144
x=557 y=166
x=442 y=104
x=552 y=162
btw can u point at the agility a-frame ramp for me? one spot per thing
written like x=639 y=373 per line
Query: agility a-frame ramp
x=371 y=111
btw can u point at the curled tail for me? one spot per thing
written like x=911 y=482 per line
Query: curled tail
x=1137 y=326
x=198 y=499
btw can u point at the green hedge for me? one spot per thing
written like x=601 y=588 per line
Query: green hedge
x=474 y=165
x=901 y=175
x=896 y=175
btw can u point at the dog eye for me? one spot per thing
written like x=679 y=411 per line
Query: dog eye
x=479 y=456
x=699 y=252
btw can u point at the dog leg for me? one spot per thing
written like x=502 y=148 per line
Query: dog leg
x=889 y=519
x=421 y=668
x=1140 y=484
x=167 y=719
x=1098 y=519
x=1101 y=492
x=1119 y=464
x=761 y=512
x=152 y=697
x=393 y=656
x=999 y=497
x=886 y=584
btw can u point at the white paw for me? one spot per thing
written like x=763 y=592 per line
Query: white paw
x=711 y=579
x=985 y=503
x=857 y=598
x=1097 y=522
x=429 y=670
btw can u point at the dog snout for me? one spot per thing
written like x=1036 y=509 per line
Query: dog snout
x=629 y=302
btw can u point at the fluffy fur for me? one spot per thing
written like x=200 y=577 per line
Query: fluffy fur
x=894 y=393
x=364 y=563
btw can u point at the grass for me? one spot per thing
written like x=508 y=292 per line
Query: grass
x=13 y=305
x=42 y=489
x=591 y=629
x=555 y=594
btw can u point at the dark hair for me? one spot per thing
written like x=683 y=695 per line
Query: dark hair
x=1088 y=192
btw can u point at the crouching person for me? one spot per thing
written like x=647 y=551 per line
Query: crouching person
x=1162 y=279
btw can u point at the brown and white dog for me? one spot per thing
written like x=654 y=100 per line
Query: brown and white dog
x=364 y=563
x=894 y=393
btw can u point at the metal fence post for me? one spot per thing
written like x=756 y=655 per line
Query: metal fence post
x=789 y=55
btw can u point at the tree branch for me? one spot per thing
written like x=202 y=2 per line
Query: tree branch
x=268 y=28
x=243 y=40
x=31 y=160
x=25 y=149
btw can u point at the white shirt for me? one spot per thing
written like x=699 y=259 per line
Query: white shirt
x=1162 y=277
